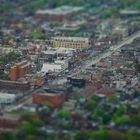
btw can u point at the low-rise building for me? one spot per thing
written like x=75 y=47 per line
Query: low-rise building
x=72 y=25
x=51 y=67
x=50 y=98
x=78 y=43
x=9 y=121
x=12 y=85
x=120 y=30
x=59 y=13
x=129 y=13
x=6 y=98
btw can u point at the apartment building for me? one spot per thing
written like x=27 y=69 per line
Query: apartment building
x=20 y=70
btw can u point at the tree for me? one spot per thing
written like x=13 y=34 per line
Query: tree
x=37 y=122
x=132 y=135
x=30 y=137
x=106 y=118
x=137 y=66
x=120 y=111
x=100 y=135
x=91 y=105
x=9 y=57
x=82 y=135
x=135 y=119
x=3 y=75
x=65 y=114
x=113 y=99
x=125 y=119
x=96 y=98
x=109 y=12
x=66 y=126
x=8 y=135
x=126 y=3
x=117 y=135
x=27 y=128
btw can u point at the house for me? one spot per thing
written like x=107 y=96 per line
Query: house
x=107 y=91
x=69 y=105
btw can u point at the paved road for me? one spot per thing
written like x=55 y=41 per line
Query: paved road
x=85 y=65
x=113 y=49
x=92 y=60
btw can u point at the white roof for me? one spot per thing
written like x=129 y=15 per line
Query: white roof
x=59 y=50
x=65 y=50
x=60 y=62
x=7 y=96
x=49 y=52
x=60 y=10
x=130 y=12
x=51 y=67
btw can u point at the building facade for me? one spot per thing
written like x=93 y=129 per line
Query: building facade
x=6 y=98
x=14 y=85
x=20 y=70
x=59 y=13
x=78 y=43
x=51 y=99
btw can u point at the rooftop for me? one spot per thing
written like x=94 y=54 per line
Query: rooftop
x=129 y=12
x=51 y=67
x=63 y=10
x=71 y=38
x=7 y=95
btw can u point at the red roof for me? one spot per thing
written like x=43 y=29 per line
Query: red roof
x=118 y=65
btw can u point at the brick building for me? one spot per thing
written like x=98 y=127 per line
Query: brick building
x=20 y=70
x=52 y=97
x=58 y=14
x=14 y=85
x=9 y=121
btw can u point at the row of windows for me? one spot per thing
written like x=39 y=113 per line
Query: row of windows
x=68 y=44
x=65 y=46
x=76 y=41
x=79 y=47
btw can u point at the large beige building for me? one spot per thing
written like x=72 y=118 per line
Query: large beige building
x=70 y=42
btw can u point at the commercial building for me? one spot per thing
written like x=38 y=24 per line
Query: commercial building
x=53 y=98
x=47 y=67
x=77 y=82
x=58 y=14
x=120 y=30
x=6 y=98
x=9 y=121
x=39 y=79
x=70 y=26
x=129 y=13
x=14 y=85
x=20 y=70
x=57 y=66
x=55 y=53
x=78 y=43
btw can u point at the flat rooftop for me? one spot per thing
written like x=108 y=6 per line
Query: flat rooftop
x=63 y=10
x=10 y=117
x=7 y=95
x=129 y=12
x=71 y=38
